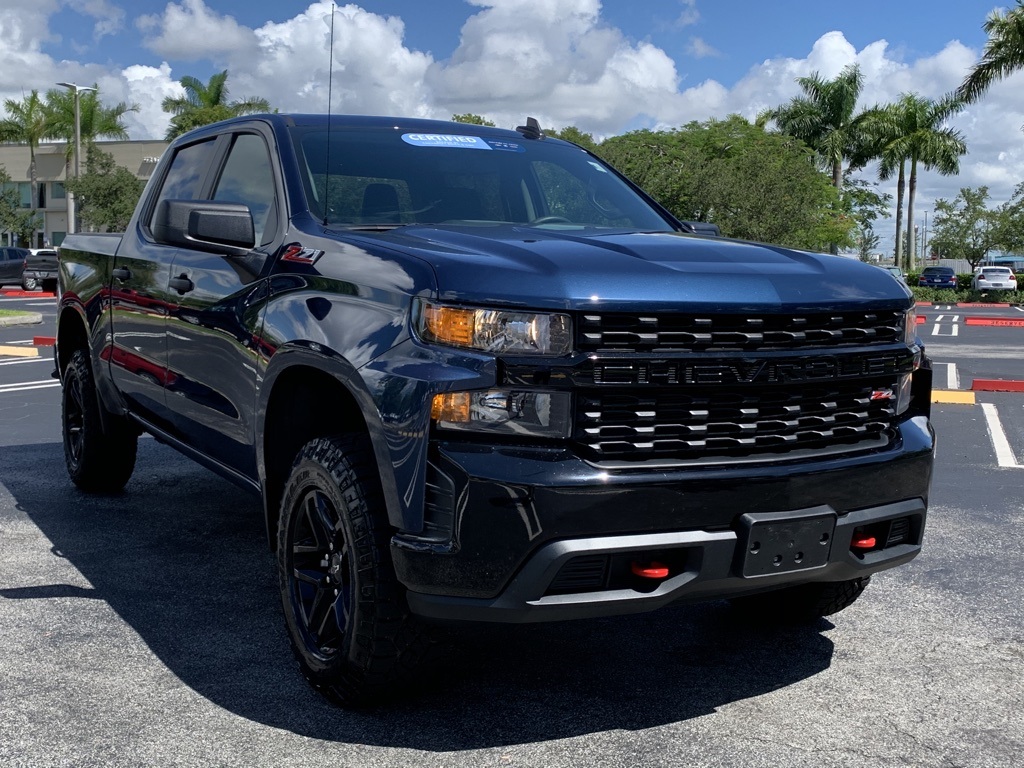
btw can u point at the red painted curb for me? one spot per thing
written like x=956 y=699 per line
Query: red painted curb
x=997 y=385
x=996 y=321
x=27 y=294
x=44 y=341
x=921 y=319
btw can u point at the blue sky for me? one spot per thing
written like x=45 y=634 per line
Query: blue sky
x=741 y=32
x=604 y=67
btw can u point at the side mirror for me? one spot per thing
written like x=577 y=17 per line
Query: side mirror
x=205 y=225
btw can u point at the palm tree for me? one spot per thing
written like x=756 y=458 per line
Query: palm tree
x=205 y=103
x=1003 y=53
x=95 y=121
x=26 y=122
x=913 y=131
x=824 y=118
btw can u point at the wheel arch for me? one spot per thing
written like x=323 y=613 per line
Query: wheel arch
x=72 y=335
x=307 y=395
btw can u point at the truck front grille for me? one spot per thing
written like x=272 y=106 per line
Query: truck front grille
x=712 y=424
x=713 y=332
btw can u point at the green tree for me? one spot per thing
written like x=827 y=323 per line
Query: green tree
x=472 y=119
x=912 y=132
x=205 y=103
x=824 y=118
x=1003 y=53
x=754 y=184
x=867 y=242
x=576 y=136
x=96 y=121
x=107 y=193
x=966 y=228
x=21 y=223
x=1010 y=233
x=27 y=122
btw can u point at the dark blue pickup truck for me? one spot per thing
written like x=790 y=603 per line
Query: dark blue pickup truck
x=477 y=375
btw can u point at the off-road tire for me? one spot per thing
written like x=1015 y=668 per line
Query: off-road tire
x=99 y=452
x=29 y=283
x=345 y=611
x=801 y=604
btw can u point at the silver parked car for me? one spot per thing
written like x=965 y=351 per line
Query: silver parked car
x=895 y=271
x=994 y=279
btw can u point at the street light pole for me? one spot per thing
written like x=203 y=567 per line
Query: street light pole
x=72 y=212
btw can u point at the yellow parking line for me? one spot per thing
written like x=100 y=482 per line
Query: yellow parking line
x=952 y=396
x=19 y=351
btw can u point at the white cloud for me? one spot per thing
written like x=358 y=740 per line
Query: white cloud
x=689 y=15
x=109 y=17
x=699 y=49
x=373 y=70
x=190 y=31
x=557 y=61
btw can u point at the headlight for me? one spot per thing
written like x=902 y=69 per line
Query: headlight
x=503 y=411
x=910 y=326
x=497 y=331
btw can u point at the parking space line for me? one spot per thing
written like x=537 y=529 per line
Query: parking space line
x=1004 y=453
x=954 y=330
x=28 y=385
x=952 y=377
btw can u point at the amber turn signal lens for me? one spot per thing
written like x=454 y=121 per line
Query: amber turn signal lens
x=449 y=325
x=452 y=407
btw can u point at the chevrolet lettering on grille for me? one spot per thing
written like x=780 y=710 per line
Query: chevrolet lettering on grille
x=712 y=372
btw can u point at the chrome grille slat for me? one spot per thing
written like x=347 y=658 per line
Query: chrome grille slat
x=728 y=422
x=643 y=333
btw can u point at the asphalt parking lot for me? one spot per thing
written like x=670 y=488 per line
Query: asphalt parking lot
x=144 y=629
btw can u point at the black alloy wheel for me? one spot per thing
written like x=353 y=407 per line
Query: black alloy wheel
x=99 y=447
x=345 y=610
x=322 y=577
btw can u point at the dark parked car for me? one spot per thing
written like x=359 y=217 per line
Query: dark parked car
x=12 y=265
x=937 y=277
x=40 y=270
x=476 y=375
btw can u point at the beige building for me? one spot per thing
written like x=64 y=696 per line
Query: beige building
x=139 y=157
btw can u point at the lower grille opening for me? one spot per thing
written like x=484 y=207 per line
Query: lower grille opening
x=899 y=532
x=886 y=534
x=599 y=573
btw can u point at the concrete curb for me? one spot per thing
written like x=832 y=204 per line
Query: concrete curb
x=23 y=318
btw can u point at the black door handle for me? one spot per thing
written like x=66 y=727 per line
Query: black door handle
x=181 y=284
x=121 y=273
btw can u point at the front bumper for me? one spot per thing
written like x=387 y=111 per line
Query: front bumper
x=537 y=534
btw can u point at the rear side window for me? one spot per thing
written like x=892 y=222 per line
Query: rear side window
x=184 y=179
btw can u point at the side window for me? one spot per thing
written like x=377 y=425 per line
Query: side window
x=185 y=178
x=248 y=178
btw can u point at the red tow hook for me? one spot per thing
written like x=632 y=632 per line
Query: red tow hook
x=652 y=570
x=862 y=541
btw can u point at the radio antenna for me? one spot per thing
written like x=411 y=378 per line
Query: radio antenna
x=330 y=93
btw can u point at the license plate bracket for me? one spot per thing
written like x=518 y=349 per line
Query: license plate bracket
x=784 y=542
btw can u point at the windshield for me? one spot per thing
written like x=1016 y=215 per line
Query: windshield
x=384 y=177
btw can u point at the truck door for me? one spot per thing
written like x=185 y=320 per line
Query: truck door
x=140 y=296
x=215 y=317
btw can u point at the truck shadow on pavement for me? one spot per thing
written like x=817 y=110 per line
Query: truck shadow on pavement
x=181 y=557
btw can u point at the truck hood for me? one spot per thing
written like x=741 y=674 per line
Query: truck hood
x=562 y=269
